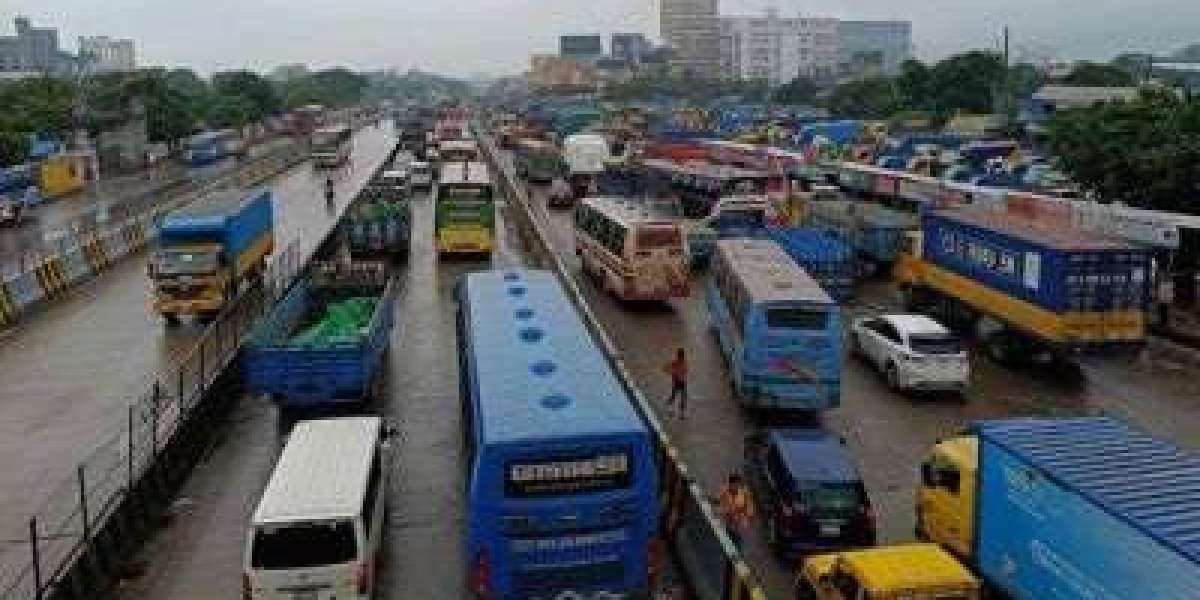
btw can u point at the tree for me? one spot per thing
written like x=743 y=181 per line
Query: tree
x=260 y=97
x=14 y=148
x=231 y=111
x=1145 y=153
x=871 y=98
x=1099 y=74
x=966 y=82
x=801 y=90
x=914 y=86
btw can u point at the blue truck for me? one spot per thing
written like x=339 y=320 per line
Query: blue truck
x=206 y=249
x=378 y=224
x=876 y=233
x=1085 y=508
x=323 y=345
x=827 y=259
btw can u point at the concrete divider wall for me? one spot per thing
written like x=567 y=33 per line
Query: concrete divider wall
x=712 y=565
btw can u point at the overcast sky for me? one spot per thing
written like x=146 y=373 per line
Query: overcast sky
x=463 y=37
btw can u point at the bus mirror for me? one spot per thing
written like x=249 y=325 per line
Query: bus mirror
x=927 y=475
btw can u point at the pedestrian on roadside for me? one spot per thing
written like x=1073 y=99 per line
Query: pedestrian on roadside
x=678 y=370
x=737 y=508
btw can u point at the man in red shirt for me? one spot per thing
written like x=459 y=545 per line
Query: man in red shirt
x=678 y=370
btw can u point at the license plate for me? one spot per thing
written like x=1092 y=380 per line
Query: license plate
x=830 y=530
x=304 y=596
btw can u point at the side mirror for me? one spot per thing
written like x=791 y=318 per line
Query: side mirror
x=927 y=475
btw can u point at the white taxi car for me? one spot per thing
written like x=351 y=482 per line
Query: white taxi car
x=914 y=352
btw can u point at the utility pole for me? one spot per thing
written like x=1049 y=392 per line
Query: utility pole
x=1006 y=85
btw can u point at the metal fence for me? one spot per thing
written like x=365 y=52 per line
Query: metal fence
x=71 y=519
x=712 y=566
x=73 y=544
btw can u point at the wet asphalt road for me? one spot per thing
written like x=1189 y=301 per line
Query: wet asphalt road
x=198 y=555
x=54 y=217
x=888 y=433
x=68 y=372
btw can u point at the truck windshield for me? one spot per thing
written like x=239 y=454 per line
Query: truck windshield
x=935 y=344
x=741 y=218
x=303 y=545
x=833 y=497
x=186 y=263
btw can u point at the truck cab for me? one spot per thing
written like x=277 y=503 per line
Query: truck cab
x=946 y=495
x=902 y=572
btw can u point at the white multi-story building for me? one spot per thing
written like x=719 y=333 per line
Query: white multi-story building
x=778 y=49
x=874 y=47
x=692 y=29
x=102 y=53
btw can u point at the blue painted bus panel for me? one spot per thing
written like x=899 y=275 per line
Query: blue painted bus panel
x=230 y=219
x=1051 y=266
x=562 y=485
x=1086 y=509
x=827 y=259
x=311 y=376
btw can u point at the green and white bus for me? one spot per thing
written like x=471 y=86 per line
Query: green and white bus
x=465 y=209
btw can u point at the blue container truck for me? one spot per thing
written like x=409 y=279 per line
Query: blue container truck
x=827 y=259
x=1070 y=509
x=876 y=233
x=323 y=345
x=1029 y=286
x=207 y=249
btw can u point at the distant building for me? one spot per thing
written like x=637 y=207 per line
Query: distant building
x=581 y=47
x=629 y=47
x=873 y=47
x=777 y=49
x=104 y=54
x=33 y=50
x=692 y=29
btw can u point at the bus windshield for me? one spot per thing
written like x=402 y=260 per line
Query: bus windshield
x=565 y=476
x=299 y=545
x=797 y=318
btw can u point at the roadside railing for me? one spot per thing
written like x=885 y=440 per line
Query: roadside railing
x=82 y=253
x=76 y=544
x=712 y=566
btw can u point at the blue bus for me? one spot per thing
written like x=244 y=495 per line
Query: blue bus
x=561 y=482
x=780 y=332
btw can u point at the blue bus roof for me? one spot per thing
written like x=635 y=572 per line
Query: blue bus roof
x=538 y=373
x=1150 y=484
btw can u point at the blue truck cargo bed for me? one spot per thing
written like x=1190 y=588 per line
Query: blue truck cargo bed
x=875 y=232
x=827 y=259
x=1047 y=264
x=1086 y=508
x=233 y=219
x=298 y=376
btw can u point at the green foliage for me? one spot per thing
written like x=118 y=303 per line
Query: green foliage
x=41 y=105
x=231 y=111
x=14 y=147
x=1145 y=153
x=871 y=98
x=801 y=90
x=1099 y=74
x=332 y=87
x=246 y=90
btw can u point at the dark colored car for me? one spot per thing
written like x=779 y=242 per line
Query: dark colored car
x=809 y=491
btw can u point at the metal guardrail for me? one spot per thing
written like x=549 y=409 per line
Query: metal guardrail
x=72 y=546
x=712 y=565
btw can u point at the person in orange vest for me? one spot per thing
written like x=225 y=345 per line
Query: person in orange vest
x=678 y=370
x=737 y=507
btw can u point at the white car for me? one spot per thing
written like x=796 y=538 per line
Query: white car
x=914 y=352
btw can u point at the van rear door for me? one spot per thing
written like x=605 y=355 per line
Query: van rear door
x=313 y=560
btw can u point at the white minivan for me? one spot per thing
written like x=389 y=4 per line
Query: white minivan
x=316 y=532
x=914 y=352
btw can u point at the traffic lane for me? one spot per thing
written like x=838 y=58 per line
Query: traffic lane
x=67 y=370
x=711 y=437
x=48 y=221
x=198 y=555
